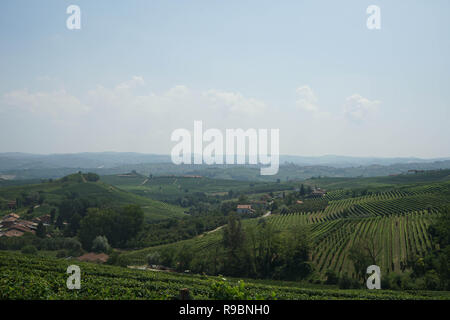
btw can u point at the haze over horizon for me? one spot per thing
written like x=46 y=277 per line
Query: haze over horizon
x=138 y=70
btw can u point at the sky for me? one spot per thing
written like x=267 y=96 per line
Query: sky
x=138 y=70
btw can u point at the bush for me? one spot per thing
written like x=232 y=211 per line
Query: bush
x=153 y=258
x=113 y=258
x=61 y=254
x=100 y=244
x=332 y=277
x=123 y=261
x=432 y=280
x=29 y=250
x=345 y=282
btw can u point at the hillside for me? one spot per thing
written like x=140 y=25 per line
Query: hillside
x=169 y=188
x=396 y=220
x=54 y=192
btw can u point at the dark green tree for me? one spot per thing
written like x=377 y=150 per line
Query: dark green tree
x=41 y=231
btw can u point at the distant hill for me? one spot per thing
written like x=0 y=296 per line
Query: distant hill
x=17 y=166
x=55 y=191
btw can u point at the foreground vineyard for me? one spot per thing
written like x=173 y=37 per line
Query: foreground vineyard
x=23 y=277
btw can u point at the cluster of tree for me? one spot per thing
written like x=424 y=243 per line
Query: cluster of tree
x=288 y=202
x=117 y=225
x=262 y=251
x=172 y=230
x=434 y=268
x=259 y=251
x=72 y=210
x=71 y=245
x=31 y=199
x=82 y=177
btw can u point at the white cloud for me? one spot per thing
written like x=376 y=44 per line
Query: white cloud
x=234 y=103
x=134 y=82
x=55 y=103
x=357 y=108
x=306 y=99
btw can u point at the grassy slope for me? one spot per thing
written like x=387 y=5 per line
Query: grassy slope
x=55 y=191
x=25 y=277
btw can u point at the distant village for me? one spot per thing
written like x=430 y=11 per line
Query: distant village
x=12 y=226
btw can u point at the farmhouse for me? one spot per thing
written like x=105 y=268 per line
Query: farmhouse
x=319 y=192
x=12 y=215
x=8 y=222
x=12 y=226
x=13 y=233
x=21 y=228
x=45 y=219
x=244 y=208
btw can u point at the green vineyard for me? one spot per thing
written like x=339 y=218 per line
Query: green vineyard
x=23 y=277
x=396 y=221
x=397 y=236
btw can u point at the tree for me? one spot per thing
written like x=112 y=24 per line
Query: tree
x=41 y=230
x=302 y=190
x=184 y=258
x=295 y=257
x=332 y=277
x=153 y=258
x=118 y=225
x=243 y=198
x=233 y=242
x=100 y=244
x=364 y=253
x=52 y=215
x=93 y=177
x=59 y=222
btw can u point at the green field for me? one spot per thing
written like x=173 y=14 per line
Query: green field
x=170 y=188
x=54 y=192
x=27 y=277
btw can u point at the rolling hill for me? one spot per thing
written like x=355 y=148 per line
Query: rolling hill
x=54 y=191
x=395 y=215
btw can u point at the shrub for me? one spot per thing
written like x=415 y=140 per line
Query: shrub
x=29 y=250
x=100 y=244
x=332 y=277
x=345 y=282
x=61 y=254
x=154 y=258
x=432 y=280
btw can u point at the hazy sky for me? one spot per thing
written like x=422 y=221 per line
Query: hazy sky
x=137 y=70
